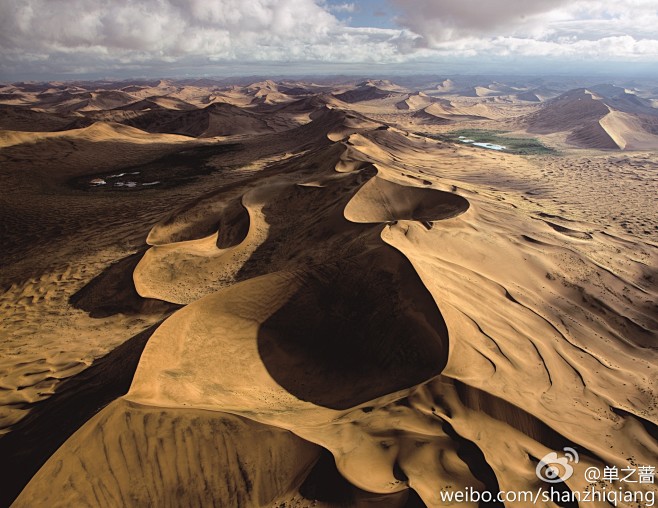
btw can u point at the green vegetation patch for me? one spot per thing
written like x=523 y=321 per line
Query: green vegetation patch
x=519 y=146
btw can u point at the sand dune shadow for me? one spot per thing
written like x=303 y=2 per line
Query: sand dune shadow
x=355 y=330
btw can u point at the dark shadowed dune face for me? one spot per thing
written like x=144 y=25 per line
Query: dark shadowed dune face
x=364 y=93
x=355 y=330
x=113 y=292
x=233 y=225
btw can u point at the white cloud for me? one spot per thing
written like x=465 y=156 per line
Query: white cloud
x=344 y=7
x=603 y=30
x=73 y=36
x=156 y=31
x=439 y=21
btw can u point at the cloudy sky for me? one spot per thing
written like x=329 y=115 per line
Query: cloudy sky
x=48 y=39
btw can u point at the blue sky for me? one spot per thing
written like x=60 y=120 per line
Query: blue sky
x=366 y=13
x=59 y=39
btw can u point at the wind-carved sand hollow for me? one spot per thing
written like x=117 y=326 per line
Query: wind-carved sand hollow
x=333 y=336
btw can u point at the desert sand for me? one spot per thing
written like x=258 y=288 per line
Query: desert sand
x=302 y=294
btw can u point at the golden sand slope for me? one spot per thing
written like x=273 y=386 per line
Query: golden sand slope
x=628 y=131
x=193 y=456
x=597 y=122
x=381 y=299
x=96 y=133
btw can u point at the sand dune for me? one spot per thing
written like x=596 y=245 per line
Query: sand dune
x=83 y=101
x=450 y=110
x=24 y=119
x=380 y=201
x=415 y=101
x=630 y=132
x=157 y=102
x=217 y=119
x=352 y=314
x=570 y=110
x=189 y=442
x=537 y=94
x=447 y=85
x=97 y=132
x=623 y=121
x=366 y=92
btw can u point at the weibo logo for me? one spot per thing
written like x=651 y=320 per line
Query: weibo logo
x=553 y=468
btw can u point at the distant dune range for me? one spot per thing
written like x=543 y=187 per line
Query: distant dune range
x=620 y=121
x=328 y=306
